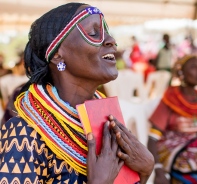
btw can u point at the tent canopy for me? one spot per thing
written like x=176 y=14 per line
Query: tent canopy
x=19 y=14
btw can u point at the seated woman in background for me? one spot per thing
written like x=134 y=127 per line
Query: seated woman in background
x=174 y=128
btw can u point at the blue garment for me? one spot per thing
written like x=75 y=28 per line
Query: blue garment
x=25 y=158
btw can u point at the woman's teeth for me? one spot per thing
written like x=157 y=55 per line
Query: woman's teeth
x=109 y=56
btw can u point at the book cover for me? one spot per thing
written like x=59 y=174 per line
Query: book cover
x=93 y=114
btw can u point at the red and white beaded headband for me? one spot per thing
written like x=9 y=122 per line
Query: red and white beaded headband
x=70 y=26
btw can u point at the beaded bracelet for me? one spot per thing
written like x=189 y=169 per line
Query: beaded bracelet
x=158 y=166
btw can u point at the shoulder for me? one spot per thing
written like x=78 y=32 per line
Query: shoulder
x=17 y=130
x=18 y=138
x=171 y=90
x=15 y=123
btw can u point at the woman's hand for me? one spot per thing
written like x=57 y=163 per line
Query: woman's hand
x=135 y=155
x=104 y=168
x=186 y=125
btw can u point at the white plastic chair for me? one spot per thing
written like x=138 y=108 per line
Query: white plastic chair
x=157 y=82
x=125 y=86
x=135 y=119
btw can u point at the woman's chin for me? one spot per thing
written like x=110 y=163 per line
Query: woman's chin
x=111 y=77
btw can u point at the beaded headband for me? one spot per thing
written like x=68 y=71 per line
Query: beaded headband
x=70 y=26
x=183 y=60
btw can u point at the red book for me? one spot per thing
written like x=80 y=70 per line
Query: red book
x=93 y=114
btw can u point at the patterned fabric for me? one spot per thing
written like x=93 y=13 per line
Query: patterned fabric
x=155 y=134
x=57 y=123
x=25 y=158
x=178 y=154
x=177 y=151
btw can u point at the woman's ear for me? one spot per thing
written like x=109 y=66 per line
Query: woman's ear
x=56 y=58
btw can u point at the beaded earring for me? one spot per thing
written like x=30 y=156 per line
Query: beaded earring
x=61 y=66
x=182 y=78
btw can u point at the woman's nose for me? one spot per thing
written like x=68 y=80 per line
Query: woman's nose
x=109 y=41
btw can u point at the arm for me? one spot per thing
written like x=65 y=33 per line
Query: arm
x=159 y=120
x=160 y=177
x=135 y=155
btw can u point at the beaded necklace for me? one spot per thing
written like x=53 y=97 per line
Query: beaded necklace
x=176 y=101
x=56 y=122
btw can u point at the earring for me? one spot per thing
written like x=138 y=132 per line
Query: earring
x=61 y=66
x=182 y=79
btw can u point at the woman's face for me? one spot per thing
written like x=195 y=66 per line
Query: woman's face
x=85 y=61
x=190 y=72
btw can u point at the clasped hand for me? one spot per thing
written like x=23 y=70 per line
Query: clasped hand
x=119 y=146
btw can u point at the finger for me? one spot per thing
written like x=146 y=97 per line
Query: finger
x=122 y=143
x=126 y=134
x=114 y=144
x=128 y=137
x=91 y=157
x=112 y=118
x=106 y=137
x=123 y=156
x=120 y=164
x=114 y=127
x=120 y=125
x=117 y=130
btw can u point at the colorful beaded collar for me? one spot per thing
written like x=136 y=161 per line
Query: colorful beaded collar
x=57 y=122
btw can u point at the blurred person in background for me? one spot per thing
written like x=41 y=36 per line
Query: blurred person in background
x=164 y=59
x=3 y=70
x=10 y=110
x=187 y=46
x=172 y=138
x=138 y=61
x=9 y=82
x=65 y=64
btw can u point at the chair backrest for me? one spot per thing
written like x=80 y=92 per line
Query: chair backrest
x=157 y=82
x=129 y=85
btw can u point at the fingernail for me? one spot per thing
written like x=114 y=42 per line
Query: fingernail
x=107 y=123
x=119 y=154
x=118 y=135
x=90 y=136
x=111 y=117
x=113 y=124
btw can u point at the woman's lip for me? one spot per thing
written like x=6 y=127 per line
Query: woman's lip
x=110 y=61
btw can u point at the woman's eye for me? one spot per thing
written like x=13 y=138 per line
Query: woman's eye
x=92 y=34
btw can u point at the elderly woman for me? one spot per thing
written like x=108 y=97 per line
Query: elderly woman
x=69 y=54
x=173 y=139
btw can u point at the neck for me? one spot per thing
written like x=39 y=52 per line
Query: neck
x=74 y=95
x=74 y=91
x=190 y=93
x=166 y=46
